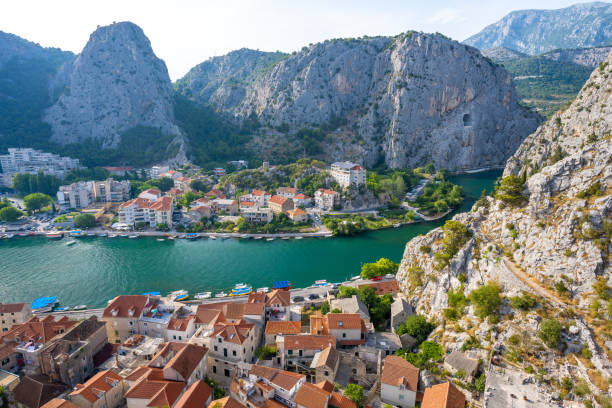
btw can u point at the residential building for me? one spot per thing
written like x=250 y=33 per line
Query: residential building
x=156 y=171
x=111 y=191
x=142 y=210
x=150 y=194
x=69 y=358
x=256 y=215
x=204 y=210
x=298 y=351
x=351 y=305
x=399 y=382
x=214 y=193
x=34 y=391
x=160 y=211
x=117 y=170
x=259 y=197
x=326 y=199
x=8 y=380
x=199 y=202
x=173 y=174
x=76 y=195
x=321 y=395
x=263 y=384
x=226 y=402
x=240 y=164
x=219 y=171
x=274 y=329
x=232 y=348
x=106 y=389
x=444 y=395
x=302 y=200
x=286 y=192
x=181 y=329
x=26 y=160
x=13 y=313
x=277 y=304
x=400 y=311
x=348 y=328
x=280 y=204
x=174 y=192
x=182 y=362
x=459 y=361
x=297 y=215
x=325 y=363
x=227 y=206
x=27 y=340
x=127 y=315
x=348 y=174
x=183 y=183
x=197 y=395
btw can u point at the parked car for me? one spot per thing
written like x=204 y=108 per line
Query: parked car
x=298 y=299
x=313 y=296
x=377 y=278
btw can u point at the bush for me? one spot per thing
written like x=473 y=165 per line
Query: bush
x=417 y=327
x=510 y=190
x=379 y=268
x=524 y=302
x=85 y=221
x=456 y=235
x=486 y=300
x=354 y=392
x=593 y=190
x=550 y=332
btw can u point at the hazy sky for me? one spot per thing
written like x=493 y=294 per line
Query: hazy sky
x=186 y=32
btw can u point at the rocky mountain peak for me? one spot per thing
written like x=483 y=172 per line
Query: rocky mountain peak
x=116 y=83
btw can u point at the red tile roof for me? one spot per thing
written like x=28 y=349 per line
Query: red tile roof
x=310 y=396
x=253 y=309
x=397 y=371
x=233 y=332
x=138 y=202
x=12 y=307
x=60 y=403
x=195 y=396
x=187 y=359
x=153 y=191
x=227 y=402
x=102 y=381
x=247 y=204
x=258 y=193
x=349 y=321
x=290 y=327
x=124 y=304
x=444 y=395
x=301 y=196
x=162 y=204
x=340 y=401
x=383 y=287
x=38 y=330
x=180 y=324
x=308 y=342
x=283 y=379
x=280 y=297
x=276 y=199
x=327 y=191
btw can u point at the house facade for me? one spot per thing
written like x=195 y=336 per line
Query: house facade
x=348 y=174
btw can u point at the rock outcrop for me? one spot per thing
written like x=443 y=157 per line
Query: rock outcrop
x=407 y=100
x=116 y=83
x=537 y=31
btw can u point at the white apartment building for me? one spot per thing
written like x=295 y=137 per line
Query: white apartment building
x=156 y=171
x=27 y=160
x=326 y=199
x=111 y=191
x=147 y=211
x=348 y=174
x=76 y=195
x=257 y=215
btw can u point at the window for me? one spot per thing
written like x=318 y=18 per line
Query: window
x=180 y=337
x=290 y=352
x=234 y=352
x=226 y=372
x=216 y=349
x=401 y=397
x=215 y=369
x=220 y=339
x=300 y=353
x=326 y=373
x=343 y=335
x=174 y=337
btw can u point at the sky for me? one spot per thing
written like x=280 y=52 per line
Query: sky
x=185 y=33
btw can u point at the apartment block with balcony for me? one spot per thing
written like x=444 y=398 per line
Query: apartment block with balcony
x=348 y=174
x=26 y=160
x=76 y=195
x=111 y=191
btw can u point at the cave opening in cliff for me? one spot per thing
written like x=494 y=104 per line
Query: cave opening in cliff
x=467 y=120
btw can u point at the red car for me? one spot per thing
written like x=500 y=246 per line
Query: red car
x=377 y=278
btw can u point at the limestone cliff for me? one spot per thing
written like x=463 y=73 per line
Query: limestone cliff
x=116 y=84
x=406 y=100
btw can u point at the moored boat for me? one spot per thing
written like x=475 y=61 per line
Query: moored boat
x=160 y=240
x=241 y=291
x=102 y=234
x=270 y=239
x=320 y=282
x=80 y=307
x=354 y=278
x=265 y=289
x=179 y=295
x=44 y=304
x=258 y=237
x=299 y=237
x=191 y=235
x=202 y=295
x=91 y=234
x=221 y=294
x=76 y=233
x=133 y=236
x=112 y=236
x=55 y=235
x=69 y=243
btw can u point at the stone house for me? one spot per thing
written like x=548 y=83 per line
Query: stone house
x=298 y=351
x=400 y=311
x=457 y=360
x=444 y=395
x=351 y=305
x=274 y=329
x=399 y=382
x=106 y=389
x=280 y=204
x=13 y=313
x=325 y=363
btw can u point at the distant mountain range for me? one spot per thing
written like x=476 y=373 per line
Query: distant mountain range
x=535 y=32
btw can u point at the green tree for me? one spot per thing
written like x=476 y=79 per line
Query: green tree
x=162 y=227
x=36 y=201
x=486 y=300
x=325 y=308
x=85 y=221
x=379 y=268
x=199 y=185
x=510 y=190
x=354 y=392
x=10 y=214
x=550 y=332
x=456 y=235
x=163 y=183
x=416 y=326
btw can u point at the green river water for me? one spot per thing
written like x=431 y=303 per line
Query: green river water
x=97 y=269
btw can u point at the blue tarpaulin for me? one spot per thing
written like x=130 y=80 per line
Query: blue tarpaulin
x=44 y=302
x=151 y=294
x=281 y=284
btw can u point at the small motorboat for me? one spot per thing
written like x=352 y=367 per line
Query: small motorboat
x=241 y=291
x=191 y=235
x=244 y=236
x=221 y=295
x=202 y=295
x=123 y=235
x=298 y=237
x=61 y=309
x=354 y=278
x=76 y=233
x=102 y=234
x=240 y=286
x=70 y=243
x=112 y=236
x=258 y=237
x=80 y=307
x=133 y=236
x=263 y=290
x=160 y=240
x=270 y=239
x=172 y=237
x=91 y=234
x=320 y=282
x=286 y=238
x=9 y=236
x=55 y=235
x=179 y=295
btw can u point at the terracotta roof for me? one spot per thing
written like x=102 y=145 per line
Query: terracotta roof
x=257 y=297
x=263 y=386
x=6 y=349
x=174 y=191
x=35 y=391
x=138 y=373
x=233 y=332
x=227 y=402
x=296 y=211
x=350 y=321
x=12 y=307
x=326 y=385
x=310 y=396
x=276 y=199
x=340 y=401
x=247 y=204
x=444 y=395
x=208 y=316
x=195 y=396
x=124 y=304
x=283 y=379
x=398 y=371
x=287 y=190
x=187 y=359
x=278 y=297
x=60 y=403
x=289 y=327
x=308 y=342
x=153 y=191
x=383 y=287
x=162 y=204
x=318 y=324
x=326 y=191
x=39 y=330
x=180 y=324
x=258 y=193
x=167 y=395
x=102 y=381
x=328 y=357
x=202 y=200
x=251 y=309
x=138 y=202
x=301 y=196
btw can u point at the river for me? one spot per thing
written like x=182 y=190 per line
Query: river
x=97 y=269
